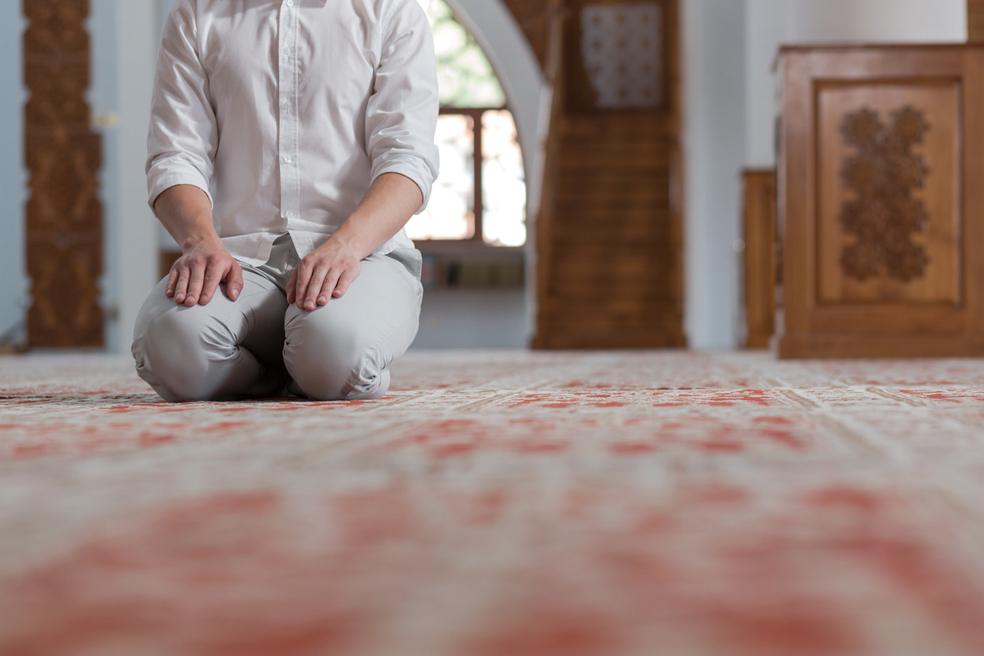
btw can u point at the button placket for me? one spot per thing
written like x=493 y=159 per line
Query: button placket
x=289 y=120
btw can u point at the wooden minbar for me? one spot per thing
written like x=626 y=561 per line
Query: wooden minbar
x=881 y=201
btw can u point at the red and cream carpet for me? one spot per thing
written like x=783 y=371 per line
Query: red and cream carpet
x=500 y=504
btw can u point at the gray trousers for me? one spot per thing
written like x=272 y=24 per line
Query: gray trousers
x=258 y=346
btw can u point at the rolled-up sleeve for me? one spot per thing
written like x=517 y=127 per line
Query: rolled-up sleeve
x=401 y=116
x=183 y=133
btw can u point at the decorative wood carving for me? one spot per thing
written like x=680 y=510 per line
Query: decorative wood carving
x=880 y=202
x=639 y=50
x=924 y=187
x=620 y=47
x=884 y=214
x=63 y=157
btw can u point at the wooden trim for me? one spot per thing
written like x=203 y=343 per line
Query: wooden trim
x=760 y=256
x=881 y=346
x=874 y=47
x=547 y=214
x=975 y=21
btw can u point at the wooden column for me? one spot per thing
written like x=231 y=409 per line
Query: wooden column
x=63 y=157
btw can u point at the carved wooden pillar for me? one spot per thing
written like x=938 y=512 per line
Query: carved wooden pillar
x=63 y=157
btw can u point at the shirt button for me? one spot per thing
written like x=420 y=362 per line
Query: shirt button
x=287 y=159
x=290 y=3
x=287 y=51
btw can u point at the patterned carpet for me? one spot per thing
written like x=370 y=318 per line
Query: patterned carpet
x=500 y=504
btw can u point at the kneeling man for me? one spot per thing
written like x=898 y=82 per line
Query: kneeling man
x=290 y=142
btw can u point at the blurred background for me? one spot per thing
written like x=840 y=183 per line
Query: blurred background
x=640 y=245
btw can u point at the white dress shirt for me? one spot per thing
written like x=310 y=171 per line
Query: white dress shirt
x=284 y=112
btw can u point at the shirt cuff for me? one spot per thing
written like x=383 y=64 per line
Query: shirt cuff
x=412 y=168
x=164 y=175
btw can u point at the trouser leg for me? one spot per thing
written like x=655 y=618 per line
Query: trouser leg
x=341 y=351
x=222 y=350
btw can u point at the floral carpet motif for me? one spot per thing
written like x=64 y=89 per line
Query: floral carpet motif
x=500 y=504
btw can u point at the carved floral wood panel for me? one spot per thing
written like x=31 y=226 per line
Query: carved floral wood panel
x=63 y=157
x=618 y=55
x=889 y=198
x=884 y=215
x=621 y=47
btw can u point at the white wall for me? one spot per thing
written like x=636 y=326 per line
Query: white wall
x=770 y=23
x=104 y=102
x=714 y=149
x=472 y=318
x=13 y=179
x=136 y=252
x=764 y=28
x=875 y=20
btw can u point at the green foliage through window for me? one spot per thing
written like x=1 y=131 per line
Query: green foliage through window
x=465 y=76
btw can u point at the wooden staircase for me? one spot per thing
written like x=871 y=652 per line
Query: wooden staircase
x=609 y=239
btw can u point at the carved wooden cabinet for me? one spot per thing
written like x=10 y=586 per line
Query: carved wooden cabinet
x=881 y=200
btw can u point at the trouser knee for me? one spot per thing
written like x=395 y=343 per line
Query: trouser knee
x=332 y=365
x=174 y=360
x=181 y=351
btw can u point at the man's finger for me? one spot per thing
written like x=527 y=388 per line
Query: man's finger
x=234 y=280
x=331 y=280
x=195 y=284
x=319 y=278
x=172 y=282
x=303 y=272
x=181 y=287
x=210 y=284
x=342 y=285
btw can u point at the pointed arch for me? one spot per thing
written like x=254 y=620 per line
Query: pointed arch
x=519 y=71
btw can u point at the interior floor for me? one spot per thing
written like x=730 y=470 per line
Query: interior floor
x=500 y=503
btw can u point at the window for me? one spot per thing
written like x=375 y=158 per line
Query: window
x=480 y=196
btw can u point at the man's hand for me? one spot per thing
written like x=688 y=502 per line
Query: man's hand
x=327 y=272
x=186 y=212
x=197 y=274
x=324 y=274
